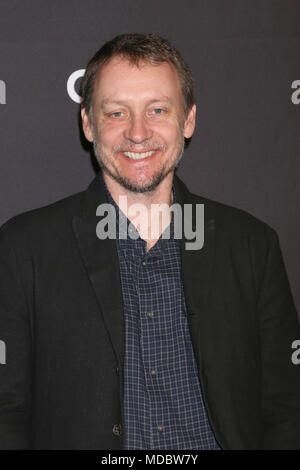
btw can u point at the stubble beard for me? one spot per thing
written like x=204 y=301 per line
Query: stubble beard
x=156 y=179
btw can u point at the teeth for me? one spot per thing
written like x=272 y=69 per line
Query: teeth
x=138 y=156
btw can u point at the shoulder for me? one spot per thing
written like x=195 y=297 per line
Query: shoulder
x=242 y=241
x=225 y=217
x=43 y=221
x=237 y=229
x=231 y=224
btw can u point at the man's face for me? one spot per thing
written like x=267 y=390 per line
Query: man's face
x=138 y=124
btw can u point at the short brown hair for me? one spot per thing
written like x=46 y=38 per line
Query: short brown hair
x=138 y=47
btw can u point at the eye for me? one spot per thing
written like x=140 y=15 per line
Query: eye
x=117 y=114
x=158 y=111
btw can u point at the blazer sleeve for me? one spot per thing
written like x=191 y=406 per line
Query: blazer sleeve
x=279 y=327
x=15 y=366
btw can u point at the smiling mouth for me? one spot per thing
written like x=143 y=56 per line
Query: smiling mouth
x=139 y=155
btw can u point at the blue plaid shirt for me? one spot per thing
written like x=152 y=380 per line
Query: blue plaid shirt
x=163 y=405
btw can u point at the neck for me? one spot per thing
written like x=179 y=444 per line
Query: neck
x=149 y=212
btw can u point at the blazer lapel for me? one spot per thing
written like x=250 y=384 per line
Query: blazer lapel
x=207 y=325
x=101 y=261
x=197 y=266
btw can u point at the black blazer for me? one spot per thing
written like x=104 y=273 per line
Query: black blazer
x=61 y=318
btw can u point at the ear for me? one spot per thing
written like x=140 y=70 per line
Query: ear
x=190 y=122
x=86 y=126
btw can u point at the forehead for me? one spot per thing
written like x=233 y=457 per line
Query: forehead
x=121 y=78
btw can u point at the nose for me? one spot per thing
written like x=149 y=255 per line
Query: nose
x=138 y=130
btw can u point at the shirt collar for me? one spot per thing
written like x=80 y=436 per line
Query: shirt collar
x=133 y=240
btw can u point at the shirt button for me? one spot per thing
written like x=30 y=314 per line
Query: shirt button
x=144 y=263
x=117 y=430
x=149 y=314
x=160 y=428
x=153 y=372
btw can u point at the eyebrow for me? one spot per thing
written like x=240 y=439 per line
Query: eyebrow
x=106 y=101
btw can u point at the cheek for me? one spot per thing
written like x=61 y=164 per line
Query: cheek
x=171 y=135
x=169 y=131
x=108 y=136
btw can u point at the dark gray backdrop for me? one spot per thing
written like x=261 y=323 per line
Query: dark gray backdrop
x=245 y=56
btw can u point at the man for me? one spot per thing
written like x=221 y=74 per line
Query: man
x=139 y=341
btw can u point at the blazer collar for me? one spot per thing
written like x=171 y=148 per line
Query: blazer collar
x=101 y=261
x=196 y=263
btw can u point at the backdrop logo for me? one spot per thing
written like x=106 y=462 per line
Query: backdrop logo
x=2 y=92
x=296 y=94
x=71 y=85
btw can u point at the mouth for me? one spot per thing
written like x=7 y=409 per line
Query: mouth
x=139 y=155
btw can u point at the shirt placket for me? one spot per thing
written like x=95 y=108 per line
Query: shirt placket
x=149 y=324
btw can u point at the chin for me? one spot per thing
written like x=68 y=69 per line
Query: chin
x=138 y=186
